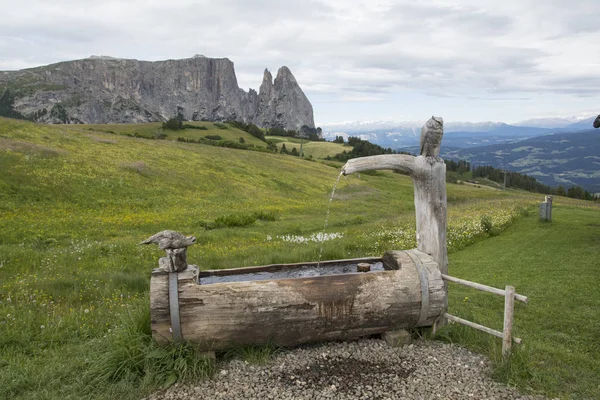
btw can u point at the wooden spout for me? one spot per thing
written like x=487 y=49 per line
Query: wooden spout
x=400 y=162
x=428 y=172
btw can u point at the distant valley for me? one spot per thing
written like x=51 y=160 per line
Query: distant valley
x=567 y=155
x=566 y=159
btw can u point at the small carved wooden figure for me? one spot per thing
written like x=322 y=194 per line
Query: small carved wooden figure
x=175 y=245
x=431 y=137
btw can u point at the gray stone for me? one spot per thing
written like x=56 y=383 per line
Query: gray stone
x=397 y=338
x=365 y=375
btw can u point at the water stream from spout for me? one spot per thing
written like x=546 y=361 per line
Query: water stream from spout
x=324 y=235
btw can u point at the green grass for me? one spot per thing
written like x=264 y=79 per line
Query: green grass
x=75 y=201
x=259 y=354
x=316 y=150
x=557 y=266
x=152 y=129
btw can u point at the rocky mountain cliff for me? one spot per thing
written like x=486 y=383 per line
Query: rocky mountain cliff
x=109 y=90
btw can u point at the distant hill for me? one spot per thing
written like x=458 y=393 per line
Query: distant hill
x=567 y=159
x=584 y=124
x=552 y=122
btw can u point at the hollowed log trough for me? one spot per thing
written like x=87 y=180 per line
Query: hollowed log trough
x=221 y=309
x=246 y=306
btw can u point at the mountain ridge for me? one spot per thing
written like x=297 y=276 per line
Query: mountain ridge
x=112 y=90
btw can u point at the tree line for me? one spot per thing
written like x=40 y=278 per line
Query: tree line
x=529 y=183
x=360 y=148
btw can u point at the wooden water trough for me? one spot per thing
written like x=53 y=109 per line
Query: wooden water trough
x=298 y=303
x=292 y=304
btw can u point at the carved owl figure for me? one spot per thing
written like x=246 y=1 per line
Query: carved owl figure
x=431 y=137
x=170 y=240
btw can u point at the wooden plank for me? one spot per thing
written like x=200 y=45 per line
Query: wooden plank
x=479 y=327
x=509 y=307
x=482 y=287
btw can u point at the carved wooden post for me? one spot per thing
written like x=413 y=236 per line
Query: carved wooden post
x=175 y=261
x=428 y=172
x=429 y=180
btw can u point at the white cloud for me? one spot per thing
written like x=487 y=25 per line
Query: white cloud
x=465 y=55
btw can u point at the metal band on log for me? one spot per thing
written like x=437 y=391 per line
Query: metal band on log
x=424 y=289
x=174 y=306
x=292 y=311
x=160 y=306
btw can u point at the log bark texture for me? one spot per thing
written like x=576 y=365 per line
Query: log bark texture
x=289 y=312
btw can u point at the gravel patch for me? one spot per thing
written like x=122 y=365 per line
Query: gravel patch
x=363 y=369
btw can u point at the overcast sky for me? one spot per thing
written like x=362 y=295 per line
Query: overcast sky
x=464 y=60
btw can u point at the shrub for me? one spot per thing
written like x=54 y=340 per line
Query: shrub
x=213 y=137
x=173 y=124
x=272 y=147
x=220 y=126
x=250 y=128
x=486 y=223
x=200 y=128
x=59 y=112
x=242 y=140
x=238 y=220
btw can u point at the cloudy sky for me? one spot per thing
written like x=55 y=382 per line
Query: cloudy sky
x=465 y=60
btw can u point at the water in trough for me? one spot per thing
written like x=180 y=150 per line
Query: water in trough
x=307 y=270
x=298 y=271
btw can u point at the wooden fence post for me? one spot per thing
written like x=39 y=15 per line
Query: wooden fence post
x=509 y=307
x=546 y=209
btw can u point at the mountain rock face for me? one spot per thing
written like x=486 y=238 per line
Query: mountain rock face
x=109 y=90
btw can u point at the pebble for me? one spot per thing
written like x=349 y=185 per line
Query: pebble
x=362 y=369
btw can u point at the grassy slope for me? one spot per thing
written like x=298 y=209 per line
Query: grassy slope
x=74 y=203
x=150 y=130
x=557 y=265
x=316 y=150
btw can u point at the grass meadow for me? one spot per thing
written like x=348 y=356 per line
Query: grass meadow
x=316 y=150
x=557 y=265
x=75 y=201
